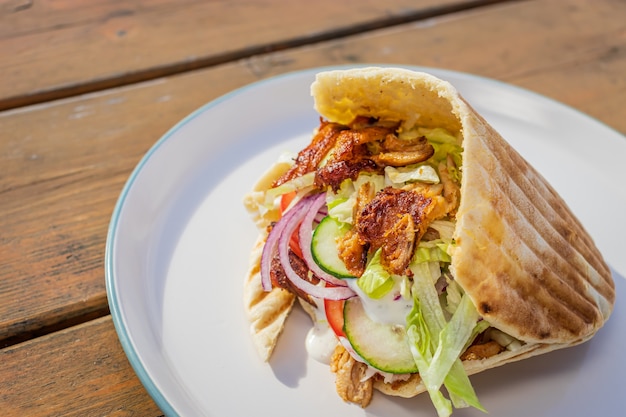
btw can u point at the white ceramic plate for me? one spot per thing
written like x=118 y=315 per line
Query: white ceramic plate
x=179 y=240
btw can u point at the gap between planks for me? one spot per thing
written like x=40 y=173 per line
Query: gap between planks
x=180 y=67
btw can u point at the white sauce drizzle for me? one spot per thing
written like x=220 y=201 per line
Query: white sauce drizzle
x=321 y=342
x=390 y=309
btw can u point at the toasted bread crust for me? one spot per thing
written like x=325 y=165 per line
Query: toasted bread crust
x=266 y=311
x=528 y=264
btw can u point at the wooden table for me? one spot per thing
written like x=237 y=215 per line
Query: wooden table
x=87 y=87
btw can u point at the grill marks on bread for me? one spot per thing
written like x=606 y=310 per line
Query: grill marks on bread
x=556 y=278
x=266 y=311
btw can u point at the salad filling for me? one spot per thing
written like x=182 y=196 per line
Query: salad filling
x=366 y=216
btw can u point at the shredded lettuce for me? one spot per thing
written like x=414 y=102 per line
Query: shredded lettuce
x=454 y=293
x=452 y=341
x=503 y=339
x=296 y=184
x=410 y=173
x=378 y=181
x=444 y=143
x=442 y=150
x=341 y=204
x=424 y=323
x=341 y=208
x=480 y=327
x=438 y=135
x=432 y=251
x=444 y=227
x=376 y=282
x=425 y=295
x=421 y=348
x=405 y=288
x=460 y=388
x=437 y=344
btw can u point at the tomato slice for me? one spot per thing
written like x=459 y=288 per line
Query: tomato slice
x=294 y=241
x=285 y=200
x=334 y=315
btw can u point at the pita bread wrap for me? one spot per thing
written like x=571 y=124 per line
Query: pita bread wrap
x=519 y=253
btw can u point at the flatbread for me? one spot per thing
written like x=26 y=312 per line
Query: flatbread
x=525 y=260
x=266 y=311
x=521 y=255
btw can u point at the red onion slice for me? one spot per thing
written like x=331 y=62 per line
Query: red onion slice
x=278 y=240
x=268 y=253
x=271 y=243
x=306 y=234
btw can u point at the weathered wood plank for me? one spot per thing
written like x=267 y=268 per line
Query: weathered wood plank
x=80 y=371
x=53 y=49
x=64 y=163
x=62 y=166
x=572 y=51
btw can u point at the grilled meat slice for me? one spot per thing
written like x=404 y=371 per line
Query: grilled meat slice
x=309 y=158
x=350 y=381
x=279 y=278
x=401 y=152
x=335 y=172
x=384 y=223
x=399 y=244
x=350 y=156
x=352 y=251
x=400 y=159
x=482 y=351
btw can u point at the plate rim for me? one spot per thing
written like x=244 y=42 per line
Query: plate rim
x=115 y=308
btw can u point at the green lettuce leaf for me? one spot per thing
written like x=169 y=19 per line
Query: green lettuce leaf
x=445 y=229
x=411 y=173
x=419 y=339
x=453 y=339
x=436 y=344
x=444 y=143
x=376 y=281
x=432 y=251
x=296 y=184
x=341 y=203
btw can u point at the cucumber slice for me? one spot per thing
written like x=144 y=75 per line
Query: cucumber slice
x=324 y=247
x=383 y=346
